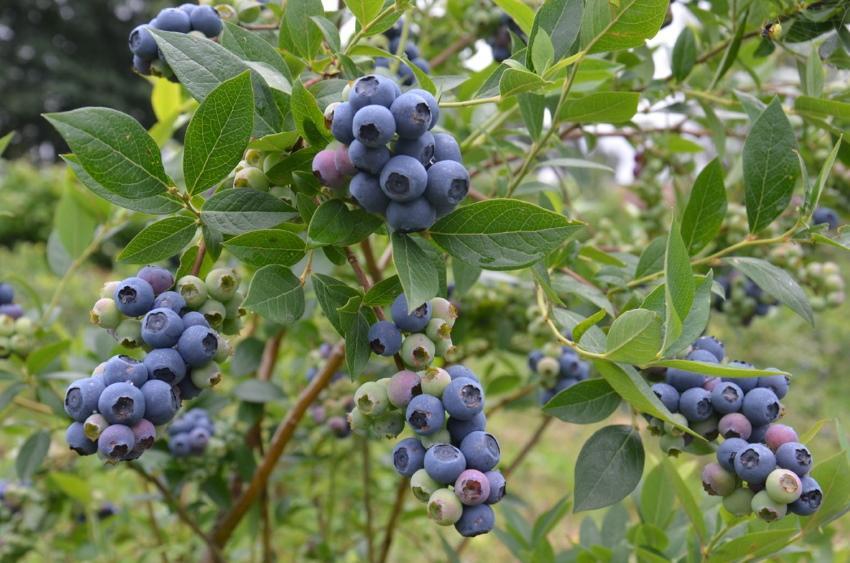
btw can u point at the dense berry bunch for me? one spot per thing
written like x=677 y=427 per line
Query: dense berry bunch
x=411 y=52
x=420 y=179
x=189 y=434
x=744 y=299
x=450 y=459
x=418 y=336
x=115 y=411
x=559 y=369
x=16 y=331
x=187 y=18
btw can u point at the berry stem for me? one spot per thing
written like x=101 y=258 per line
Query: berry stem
x=398 y=506
x=459 y=44
x=472 y=102
x=199 y=258
x=371 y=264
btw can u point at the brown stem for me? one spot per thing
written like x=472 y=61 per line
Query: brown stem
x=160 y=540
x=367 y=499
x=535 y=438
x=398 y=506
x=506 y=400
x=448 y=52
x=227 y=524
x=371 y=263
x=199 y=258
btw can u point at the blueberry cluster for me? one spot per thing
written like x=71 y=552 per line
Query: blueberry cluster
x=500 y=40
x=823 y=280
x=16 y=330
x=189 y=434
x=825 y=216
x=418 y=336
x=187 y=18
x=744 y=299
x=411 y=52
x=421 y=179
x=559 y=369
x=115 y=411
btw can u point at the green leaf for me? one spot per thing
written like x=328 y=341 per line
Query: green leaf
x=622 y=27
x=635 y=337
x=532 y=107
x=417 y=271
x=813 y=75
x=298 y=34
x=592 y=339
x=258 y=391
x=586 y=402
x=516 y=81
x=678 y=285
x=770 y=166
x=542 y=51
x=218 y=133
x=383 y=293
x=601 y=107
x=706 y=208
x=586 y=324
x=717 y=370
x=831 y=475
x=820 y=106
x=521 y=13
x=777 y=282
x=556 y=27
x=813 y=193
x=686 y=498
x=357 y=350
x=731 y=52
x=684 y=54
x=42 y=357
x=694 y=324
x=75 y=487
x=364 y=10
x=752 y=105
x=332 y=295
x=155 y=205
x=758 y=544
x=276 y=142
x=329 y=30
x=159 y=240
x=564 y=284
x=309 y=119
x=547 y=521
x=275 y=294
x=5 y=140
x=656 y=498
x=238 y=211
x=31 y=454
x=652 y=258
x=334 y=223
x=267 y=246
x=608 y=468
x=74 y=225
x=250 y=46
x=10 y=392
x=114 y=149
x=502 y=234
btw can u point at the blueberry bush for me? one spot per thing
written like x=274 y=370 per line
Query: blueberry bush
x=474 y=253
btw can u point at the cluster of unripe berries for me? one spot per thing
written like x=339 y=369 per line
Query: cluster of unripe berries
x=190 y=433
x=116 y=410
x=744 y=299
x=411 y=52
x=755 y=448
x=186 y=18
x=417 y=336
x=559 y=369
x=420 y=179
x=16 y=330
x=451 y=460
x=823 y=280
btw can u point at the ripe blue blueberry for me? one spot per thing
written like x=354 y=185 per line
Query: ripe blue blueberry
x=365 y=159
x=472 y=487
x=342 y=123
x=144 y=433
x=142 y=43
x=433 y=105
x=403 y=178
x=82 y=396
x=481 y=450
x=683 y=380
x=188 y=8
x=206 y=20
x=728 y=451
x=776 y=383
x=810 y=498
x=188 y=390
x=372 y=89
x=825 y=216
x=795 y=457
x=533 y=357
x=160 y=278
x=172 y=19
x=475 y=520
x=12 y=310
x=564 y=384
x=408 y=457
x=170 y=300
x=179 y=444
x=463 y=398
x=324 y=169
x=460 y=429
x=373 y=125
x=421 y=148
x=198 y=345
x=761 y=406
x=695 y=404
x=747 y=384
x=116 y=442
x=735 y=425
x=134 y=296
x=568 y=363
x=668 y=396
x=444 y=463
x=366 y=190
x=194 y=318
x=165 y=364
x=412 y=115
x=448 y=184
x=161 y=328
x=446 y=148
x=727 y=397
x=199 y=437
x=77 y=440
x=7 y=294
x=458 y=370
x=411 y=51
x=498 y=486
x=754 y=463
x=121 y=403
x=416 y=321
x=711 y=344
x=425 y=414
x=161 y=401
x=124 y=368
x=412 y=216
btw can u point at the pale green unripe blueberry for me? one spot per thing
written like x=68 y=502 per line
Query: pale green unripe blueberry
x=128 y=333
x=739 y=502
x=207 y=376
x=358 y=422
x=548 y=367
x=766 y=508
x=329 y=113
x=193 y=290
x=434 y=380
x=108 y=289
x=388 y=425
x=251 y=177
x=441 y=436
x=253 y=157
x=835 y=298
x=444 y=507
x=5 y=346
x=438 y=329
x=673 y=430
x=385 y=381
x=224 y=350
x=371 y=399
x=233 y=308
x=21 y=344
x=417 y=351
x=834 y=282
x=815 y=269
x=818 y=303
x=346 y=91
x=214 y=312
x=231 y=326
x=25 y=326
x=672 y=445
x=831 y=268
x=94 y=425
x=222 y=284
x=445 y=310
x=105 y=313
x=243 y=164
x=783 y=486
x=446 y=349
x=271 y=161
x=7 y=325
x=422 y=485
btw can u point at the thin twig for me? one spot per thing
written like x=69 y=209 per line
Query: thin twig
x=199 y=258
x=385 y=258
x=367 y=499
x=398 y=506
x=458 y=45
x=535 y=438
x=371 y=263
x=160 y=540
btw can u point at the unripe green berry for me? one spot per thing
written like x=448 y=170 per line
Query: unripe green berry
x=94 y=425
x=243 y=164
x=358 y=422
x=766 y=508
x=271 y=160
x=835 y=298
x=105 y=313
x=108 y=289
x=673 y=430
x=223 y=351
x=444 y=309
x=251 y=177
x=831 y=268
x=214 y=312
x=388 y=425
x=739 y=502
x=194 y=291
x=672 y=445
x=207 y=376
x=422 y=485
x=417 y=351
x=441 y=436
x=233 y=308
x=833 y=282
x=5 y=347
x=444 y=507
x=7 y=325
x=447 y=350
x=25 y=326
x=438 y=329
x=231 y=326
x=128 y=333
x=222 y=284
x=253 y=157
x=21 y=344
x=434 y=380
x=371 y=399
x=783 y=486
x=548 y=367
